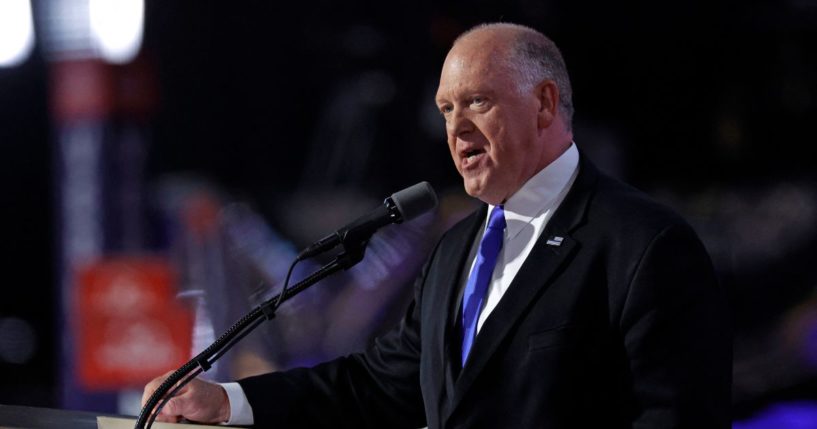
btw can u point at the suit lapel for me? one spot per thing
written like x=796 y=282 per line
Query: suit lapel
x=533 y=278
x=452 y=260
x=444 y=297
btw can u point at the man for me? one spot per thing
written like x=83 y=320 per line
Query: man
x=570 y=300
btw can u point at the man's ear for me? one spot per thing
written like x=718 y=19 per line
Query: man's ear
x=548 y=96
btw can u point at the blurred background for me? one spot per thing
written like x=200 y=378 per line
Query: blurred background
x=162 y=163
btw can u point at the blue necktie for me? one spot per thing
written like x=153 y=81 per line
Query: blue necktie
x=480 y=278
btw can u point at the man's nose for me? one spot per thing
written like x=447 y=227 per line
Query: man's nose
x=459 y=123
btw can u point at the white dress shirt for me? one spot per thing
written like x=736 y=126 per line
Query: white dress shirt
x=526 y=215
x=527 y=212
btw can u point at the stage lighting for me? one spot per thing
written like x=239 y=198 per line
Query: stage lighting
x=16 y=32
x=116 y=27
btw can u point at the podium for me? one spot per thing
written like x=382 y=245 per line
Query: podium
x=20 y=417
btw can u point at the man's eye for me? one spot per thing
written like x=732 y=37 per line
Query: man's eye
x=478 y=101
x=446 y=109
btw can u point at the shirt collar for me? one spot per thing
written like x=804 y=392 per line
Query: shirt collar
x=539 y=192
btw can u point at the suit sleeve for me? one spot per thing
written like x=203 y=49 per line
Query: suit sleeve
x=677 y=336
x=375 y=389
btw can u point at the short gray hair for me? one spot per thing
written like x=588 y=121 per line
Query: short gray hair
x=534 y=58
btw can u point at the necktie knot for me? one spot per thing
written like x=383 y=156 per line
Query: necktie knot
x=497 y=219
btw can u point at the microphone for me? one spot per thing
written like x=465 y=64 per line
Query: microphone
x=400 y=206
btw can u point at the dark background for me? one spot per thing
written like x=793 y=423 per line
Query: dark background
x=693 y=102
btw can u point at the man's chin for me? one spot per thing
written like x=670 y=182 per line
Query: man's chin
x=478 y=190
x=473 y=188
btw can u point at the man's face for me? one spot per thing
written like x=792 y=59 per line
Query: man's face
x=491 y=127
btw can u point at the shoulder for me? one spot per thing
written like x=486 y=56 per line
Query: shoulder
x=626 y=211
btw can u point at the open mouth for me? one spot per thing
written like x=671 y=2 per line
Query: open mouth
x=469 y=157
x=472 y=153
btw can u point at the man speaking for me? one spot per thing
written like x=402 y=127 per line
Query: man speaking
x=569 y=300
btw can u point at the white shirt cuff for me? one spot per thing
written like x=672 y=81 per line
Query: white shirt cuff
x=240 y=409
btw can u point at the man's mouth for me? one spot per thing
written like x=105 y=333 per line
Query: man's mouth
x=470 y=157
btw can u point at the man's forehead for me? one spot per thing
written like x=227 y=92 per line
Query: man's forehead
x=458 y=73
x=476 y=57
x=472 y=65
x=459 y=67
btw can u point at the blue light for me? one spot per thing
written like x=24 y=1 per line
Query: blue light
x=790 y=415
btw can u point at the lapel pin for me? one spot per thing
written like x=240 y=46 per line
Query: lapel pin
x=555 y=241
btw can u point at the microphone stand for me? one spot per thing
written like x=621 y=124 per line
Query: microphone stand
x=352 y=254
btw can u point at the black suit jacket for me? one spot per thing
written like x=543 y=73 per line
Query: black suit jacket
x=622 y=325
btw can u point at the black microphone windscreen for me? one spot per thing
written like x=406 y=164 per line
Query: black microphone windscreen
x=415 y=200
